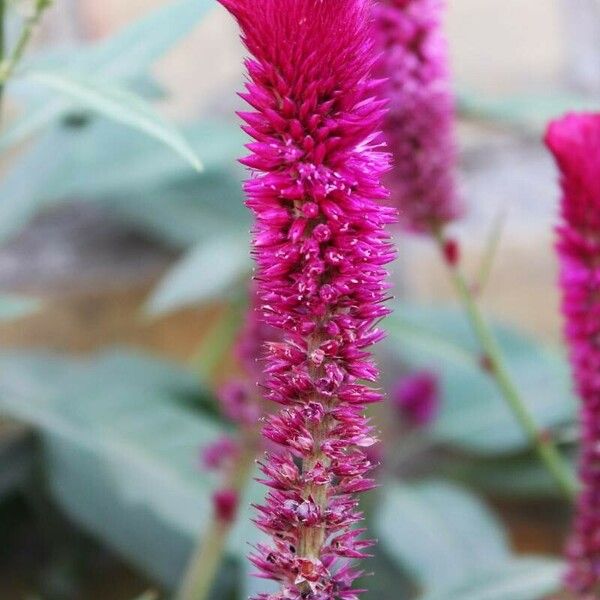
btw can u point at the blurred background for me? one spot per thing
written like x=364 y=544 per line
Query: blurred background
x=122 y=270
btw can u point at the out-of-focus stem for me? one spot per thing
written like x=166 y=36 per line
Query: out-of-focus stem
x=489 y=255
x=9 y=64
x=205 y=562
x=2 y=44
x=496 y=366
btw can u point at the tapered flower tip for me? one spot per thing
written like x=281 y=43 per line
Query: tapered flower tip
x=307 y=35
x=575 y=142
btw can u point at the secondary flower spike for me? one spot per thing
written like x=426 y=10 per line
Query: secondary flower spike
x=419 y=127
x=320 y=249
x=575 y=142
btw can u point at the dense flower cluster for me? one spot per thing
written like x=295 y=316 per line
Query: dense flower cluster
x=575 y=142
x=320 y=248
x=419 y=127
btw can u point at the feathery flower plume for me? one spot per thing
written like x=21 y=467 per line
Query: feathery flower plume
x=419 y=127
x=575 y=142
x=320 y=248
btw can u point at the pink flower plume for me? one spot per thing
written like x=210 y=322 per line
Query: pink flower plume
x=320 y=249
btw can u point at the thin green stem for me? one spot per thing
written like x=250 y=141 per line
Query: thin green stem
x=10 y=63
x=2 y=43
x=204 y=565
x=495 y=363
x=489 y=255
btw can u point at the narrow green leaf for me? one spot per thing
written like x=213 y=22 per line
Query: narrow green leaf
x=137 y=46
x=14 y=307
x=438 y=532
x=118 y=104
x=124 y=57
x=132 y=175
x=518 y=579
x=205 y=272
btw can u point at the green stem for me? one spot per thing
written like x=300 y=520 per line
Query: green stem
x=10 y=63
x=2 y=44
x=544 y=445
x=204 y=565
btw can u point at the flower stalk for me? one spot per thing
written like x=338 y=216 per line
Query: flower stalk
x=420 y=133
x=234 y=456
x=495 y=365
x=206 y=560
x=10 y=63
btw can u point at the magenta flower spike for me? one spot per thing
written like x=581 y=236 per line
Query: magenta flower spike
x=575 y=143
x=419 y=127
x=320 y=248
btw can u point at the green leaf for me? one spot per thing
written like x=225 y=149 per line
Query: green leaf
x=21 y=195
x=133 y=176
x=133 y=49
x=438 y=532
x=474 y=415
x=118 y=104
x=522 y=476
x=120 y=449
x=125 y=57
x=35 y=119
x=205 y=272
x=14 y=307
x=518 y=579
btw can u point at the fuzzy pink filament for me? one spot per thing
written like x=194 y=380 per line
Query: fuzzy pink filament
x=419 y=127
x=575 y=142
x=320 y=248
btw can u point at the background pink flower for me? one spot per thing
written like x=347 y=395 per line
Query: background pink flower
x=575 y=143
x=419 y=127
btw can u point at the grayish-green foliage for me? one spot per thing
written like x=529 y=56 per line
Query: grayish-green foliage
x=474 y=415
x=455 y=548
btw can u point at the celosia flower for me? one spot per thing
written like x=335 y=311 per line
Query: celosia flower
x=320 y=248
x=416 y=397
x=419 y=127
x=575 y=142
